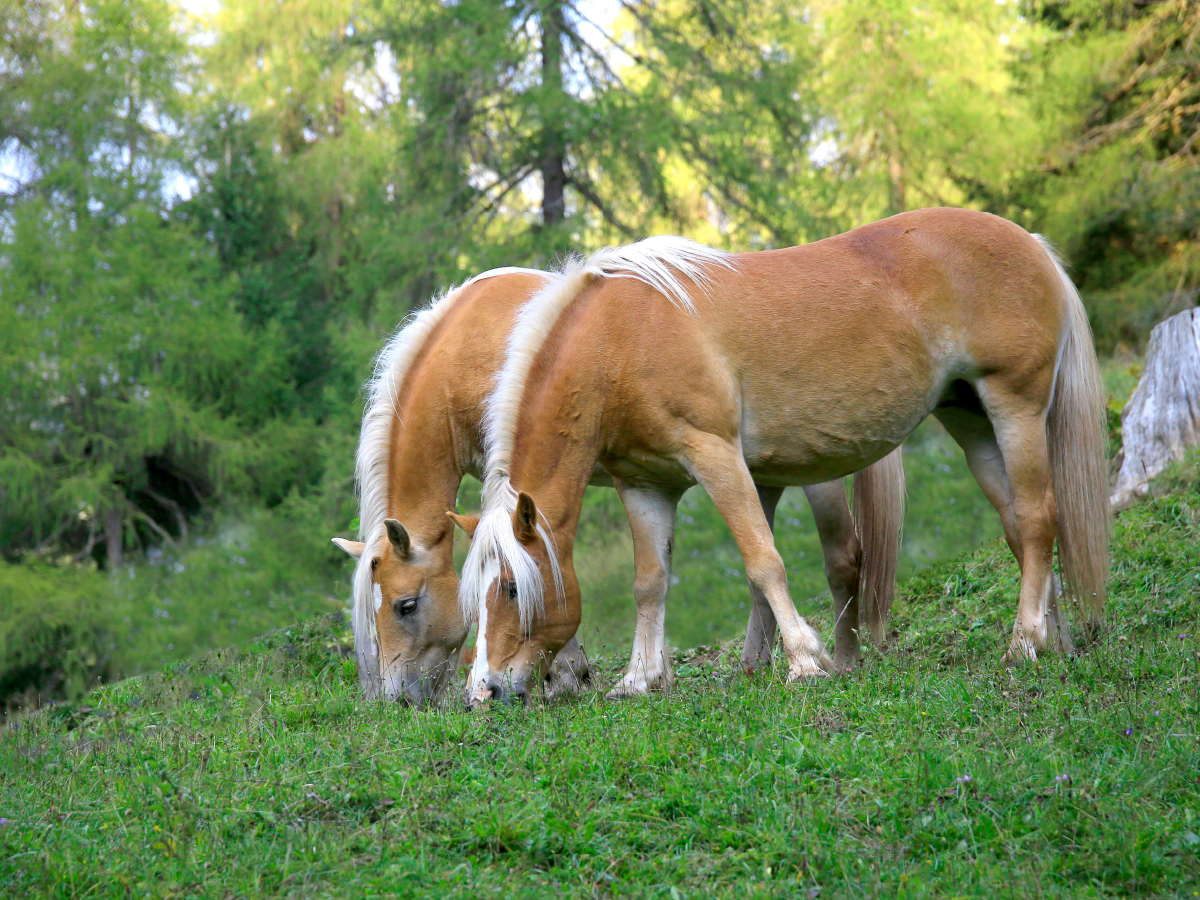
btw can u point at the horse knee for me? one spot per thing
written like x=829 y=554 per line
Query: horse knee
x=765 y=571
x=651 y=585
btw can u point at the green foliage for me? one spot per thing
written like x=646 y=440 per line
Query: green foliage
x=63 y=627
x=933 y=772
x=56 y=634
x=132 y=391
x=1118 y=92
x=914 y=124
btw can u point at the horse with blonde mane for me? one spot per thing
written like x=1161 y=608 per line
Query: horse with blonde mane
x=420 y=435
x=785 y=367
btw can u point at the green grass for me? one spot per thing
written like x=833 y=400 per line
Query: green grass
x=931 y=773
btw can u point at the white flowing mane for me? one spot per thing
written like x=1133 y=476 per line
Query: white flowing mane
x=660 y=262
x=374 y=451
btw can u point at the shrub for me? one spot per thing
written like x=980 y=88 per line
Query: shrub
x=56 y=637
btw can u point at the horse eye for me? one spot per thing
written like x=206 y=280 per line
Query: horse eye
x=512 y=591
x=406 y=606
x=375 y=564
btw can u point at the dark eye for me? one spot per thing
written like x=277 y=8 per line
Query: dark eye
x=512 y=590
x=404 y=607
x=374 y=564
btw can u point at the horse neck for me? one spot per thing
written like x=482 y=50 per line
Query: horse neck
x=558 y=443
x=425 y=467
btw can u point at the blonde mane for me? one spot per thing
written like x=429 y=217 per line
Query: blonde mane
x=392 y=366
x=662 y=263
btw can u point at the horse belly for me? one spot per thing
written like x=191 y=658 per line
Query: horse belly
x=794 y=435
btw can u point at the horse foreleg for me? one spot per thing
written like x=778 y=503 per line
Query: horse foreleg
x=652 y=521
x=839 y=543
x=760 y=629
x=718 y=465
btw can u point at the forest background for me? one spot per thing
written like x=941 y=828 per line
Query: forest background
x=211 y=216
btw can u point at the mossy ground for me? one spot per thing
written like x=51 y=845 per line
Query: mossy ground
x=931 y=772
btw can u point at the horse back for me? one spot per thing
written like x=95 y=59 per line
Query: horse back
x=822 y=358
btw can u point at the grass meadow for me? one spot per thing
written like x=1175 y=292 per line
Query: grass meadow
x=932 y=772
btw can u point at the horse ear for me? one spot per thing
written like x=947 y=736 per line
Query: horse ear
x=398 y=536
x=354 y=548
x=467 y=523
x=525 y=518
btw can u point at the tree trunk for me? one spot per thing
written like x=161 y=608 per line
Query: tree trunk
x=1162 y=418
x=895 y=167
x=114 y=538
x=554 y=175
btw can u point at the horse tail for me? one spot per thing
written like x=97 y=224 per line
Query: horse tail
x=1078 y=456
x=879 y=519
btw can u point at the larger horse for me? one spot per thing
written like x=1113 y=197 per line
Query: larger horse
x=421 y=434
x=785 y=367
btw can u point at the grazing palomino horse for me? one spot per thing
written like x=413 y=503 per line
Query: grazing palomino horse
x=787 y=367
x=420 y=435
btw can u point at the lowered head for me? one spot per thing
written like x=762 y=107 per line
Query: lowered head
x=406 y=593
x=521 y=585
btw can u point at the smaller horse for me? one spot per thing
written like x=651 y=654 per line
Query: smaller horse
x=418 y=439
x=781 y=367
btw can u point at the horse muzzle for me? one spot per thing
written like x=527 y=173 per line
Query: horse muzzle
x=415 y=687
x=499 y=688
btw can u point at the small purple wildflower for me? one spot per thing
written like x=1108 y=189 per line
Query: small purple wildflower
x=1129 y=731
x=3 y=822
x=1183 y=637
x=1063 y=777
x=963 y=779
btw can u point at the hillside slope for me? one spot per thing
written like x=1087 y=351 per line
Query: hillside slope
x=933 y=772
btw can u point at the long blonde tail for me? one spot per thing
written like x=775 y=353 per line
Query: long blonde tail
x=879 y=518
x=1079 y=458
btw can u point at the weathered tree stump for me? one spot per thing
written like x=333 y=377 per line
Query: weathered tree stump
x=1162 y=418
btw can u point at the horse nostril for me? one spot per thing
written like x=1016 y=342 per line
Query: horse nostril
x=495 y=689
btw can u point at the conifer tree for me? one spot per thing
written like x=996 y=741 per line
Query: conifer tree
x=123 y=362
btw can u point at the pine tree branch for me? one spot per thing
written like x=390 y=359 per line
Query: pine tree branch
x=585 y=190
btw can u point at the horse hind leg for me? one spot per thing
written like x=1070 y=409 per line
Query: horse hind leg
x=1010 y=460
x=652 y=522
x=843 y=556
x=839 y=544
x=973 y=432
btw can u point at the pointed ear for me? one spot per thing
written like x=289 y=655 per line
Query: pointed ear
x=467 y=523
x=398 y=536
x=354 y=548
x=525 y=518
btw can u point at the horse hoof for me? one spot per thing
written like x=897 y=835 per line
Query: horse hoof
x=847 y=664
x=627 y=690
x=806 y=673
x=624 y=692
x=1019 y=654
